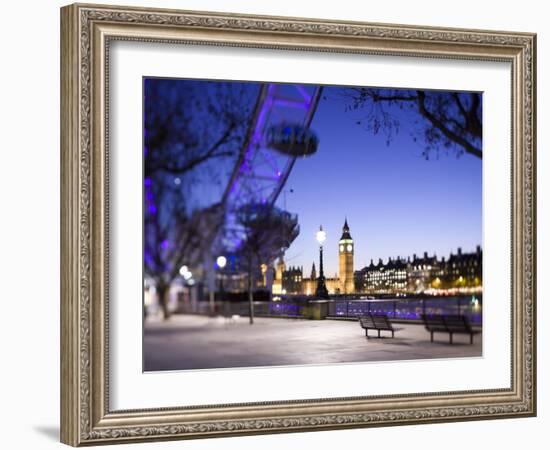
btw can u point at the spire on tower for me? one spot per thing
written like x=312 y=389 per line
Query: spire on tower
x=345 y=230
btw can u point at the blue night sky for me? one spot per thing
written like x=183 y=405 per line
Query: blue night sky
x=397 y=203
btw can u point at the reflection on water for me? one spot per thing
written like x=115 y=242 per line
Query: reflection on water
x=306 y=307
x=412 y=309
x=403 y=309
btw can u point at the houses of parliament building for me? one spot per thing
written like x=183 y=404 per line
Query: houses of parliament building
x=291 y=280
x=461 y=272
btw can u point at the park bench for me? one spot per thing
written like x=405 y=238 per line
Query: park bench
x=452 y=324
x=378 y=322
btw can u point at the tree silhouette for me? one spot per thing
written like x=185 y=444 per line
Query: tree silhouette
x=269 y=231
x=446 y=120
x=190 y=129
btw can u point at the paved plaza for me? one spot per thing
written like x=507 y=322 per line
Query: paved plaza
x=199 y=342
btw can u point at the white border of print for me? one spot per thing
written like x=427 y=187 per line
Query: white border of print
x=132 y=389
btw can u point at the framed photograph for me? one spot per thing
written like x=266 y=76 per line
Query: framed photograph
x=277 y=225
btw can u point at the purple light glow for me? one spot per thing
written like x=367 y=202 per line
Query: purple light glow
x=303 y=93
x=164 y=244
x=148 y=258
x=292 y=104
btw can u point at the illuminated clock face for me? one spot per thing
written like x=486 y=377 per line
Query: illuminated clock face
x=341 y=248
x=350 y=248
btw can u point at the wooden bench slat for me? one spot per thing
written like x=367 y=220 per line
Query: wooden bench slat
x=377 y=322
x=452 y=324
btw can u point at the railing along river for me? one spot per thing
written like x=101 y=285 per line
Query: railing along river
x=402 y=309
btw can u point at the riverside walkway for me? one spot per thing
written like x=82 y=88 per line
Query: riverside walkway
x=199 y=342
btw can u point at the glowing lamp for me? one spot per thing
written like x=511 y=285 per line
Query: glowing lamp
x=321 y=235
x=221 y=261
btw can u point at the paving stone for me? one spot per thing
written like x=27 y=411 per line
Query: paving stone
x=198 y=342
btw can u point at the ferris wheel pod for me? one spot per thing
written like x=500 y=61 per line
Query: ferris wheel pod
x=292 y=140
x=254 y=212
x=262 y=214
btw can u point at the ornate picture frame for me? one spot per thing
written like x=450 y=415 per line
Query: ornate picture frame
x=87 y=32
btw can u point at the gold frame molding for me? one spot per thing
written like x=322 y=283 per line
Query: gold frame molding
x=86 y=31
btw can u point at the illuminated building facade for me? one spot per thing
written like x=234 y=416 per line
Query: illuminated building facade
x=345 y=259
x=382 y=278
x=416 y=274
x=292 y=281
x=277 y=286
x=461 y=271
x=422 y=270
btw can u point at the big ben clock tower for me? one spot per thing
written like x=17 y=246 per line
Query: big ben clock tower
x=345 y=252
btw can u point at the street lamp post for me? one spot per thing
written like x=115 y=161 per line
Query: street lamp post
x=221 y=261
x=321 y=291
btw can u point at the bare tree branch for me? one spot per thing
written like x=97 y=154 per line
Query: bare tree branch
x=469 y=148
x=186 y=125
x=173 y=168
x=450 y=119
